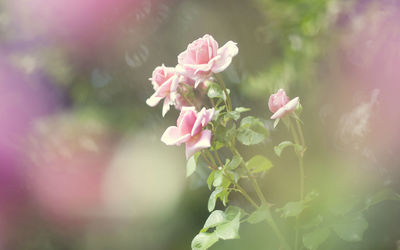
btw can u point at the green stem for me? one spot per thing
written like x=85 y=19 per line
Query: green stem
x=301 y=169
x=228 y=99
x=270 y=220
x=241 y=190
x=218 y=159
x=188 y=100
x=303 y=144
x=301 y=178
x=208 y=161
x=210 y=157
x=272 y=224
x=253 y=181
x=293 y=131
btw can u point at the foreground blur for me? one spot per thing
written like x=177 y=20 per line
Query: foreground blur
x=81 y=162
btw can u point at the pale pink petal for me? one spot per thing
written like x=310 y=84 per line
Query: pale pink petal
x=287 y=109
x=166 y=105
x=164 y=88
x=208 y=116
x=186 y=122
x=184 y=110
x=202 y=69
x=195 y=144
x=292 y=105
x=198 y=123
x=213 y=45
x=225 y=53
x=277 y=100
x=279 y=114
x=153 y=100
x=171 y=136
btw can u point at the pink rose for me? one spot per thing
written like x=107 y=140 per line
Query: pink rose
x=165 y=82
x=189 y=130
x=286 y=109
x=278 y=100
x=202 y=58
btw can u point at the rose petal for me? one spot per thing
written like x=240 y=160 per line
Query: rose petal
x=171 y=136
x=208 y=116
x=287 y=109
x=166 y=105
x=153 y=100
x=186 y=121
x=226 y=53
x=196 y=144
x=197 y=126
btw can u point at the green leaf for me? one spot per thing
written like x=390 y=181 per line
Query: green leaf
x=210 y=179
x=384 y=195
x=220 y=180
x=342 y=205
x=229 y=230
x=204 y=241
x=215 y=91
x=278 y=149
x=259 y=164
x=216 y=218
x=235 y=115
x=225 y=135
x=224 y=196
x=234 y=163
x=262 y=213
x=313 y=222
x=191 y=166
x=295 y=208
x=233 y=175
x=351 y=228
x=291 y=209
x=251 y=131
x=213 y=198
x=242 y=109
x=232 y=211
x=314 y=239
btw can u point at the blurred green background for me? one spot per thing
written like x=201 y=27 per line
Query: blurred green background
x=82 y=165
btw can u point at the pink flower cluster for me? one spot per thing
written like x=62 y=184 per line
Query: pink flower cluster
x=280 y=105
x=196 y=64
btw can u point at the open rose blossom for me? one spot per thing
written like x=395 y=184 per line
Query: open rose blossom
x=165 y=82
x=189 y=130
x=202 y=58
x=280 y=105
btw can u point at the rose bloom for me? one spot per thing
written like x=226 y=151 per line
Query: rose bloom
x=165 y=82
x=278 y=100
x=202 y=58
x=280 y=105
x=189 y=130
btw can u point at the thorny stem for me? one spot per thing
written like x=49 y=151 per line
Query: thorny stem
x=228 y=99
